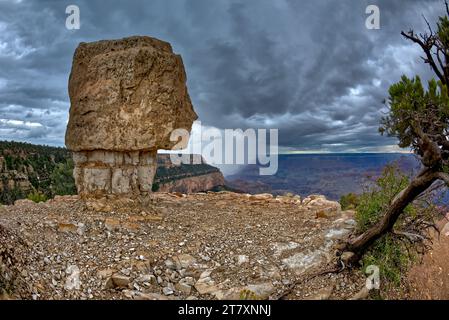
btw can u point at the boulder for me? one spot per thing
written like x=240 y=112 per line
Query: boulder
x=127 y=97
x=326 y=207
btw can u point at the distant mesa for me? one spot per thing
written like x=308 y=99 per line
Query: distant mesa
x=126 y=96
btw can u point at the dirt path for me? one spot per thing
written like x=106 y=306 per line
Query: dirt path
x=430 y=279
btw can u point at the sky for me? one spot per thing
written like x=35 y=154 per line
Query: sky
x=308 y=68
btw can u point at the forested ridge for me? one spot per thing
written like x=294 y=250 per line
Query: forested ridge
x=41 y=172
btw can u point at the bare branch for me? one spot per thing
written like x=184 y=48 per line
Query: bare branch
x=427 y=50
x=428 y=25
x=411 y=236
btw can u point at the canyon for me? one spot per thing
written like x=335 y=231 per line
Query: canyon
x=27 y=168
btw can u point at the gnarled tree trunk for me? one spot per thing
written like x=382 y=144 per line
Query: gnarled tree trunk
x=418 y=185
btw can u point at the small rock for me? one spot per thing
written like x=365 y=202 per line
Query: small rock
x=183 y=261
x=67 y=228
x=167 y=291
x=112 y=224
x=129 y=294
x=242 y=259
x=170 y=264
x=120 y=281
x=205 y=284
x=81 y=229
x=183 y=287
x=147 y=278
x=337 y=234
x=189 y=280
x=106 y=273
x=346 y=257
x=261 y=290
x=108 y=284
x=73 y=280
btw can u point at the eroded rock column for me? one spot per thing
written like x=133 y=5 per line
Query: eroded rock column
x=127 y=96
x=114 y=172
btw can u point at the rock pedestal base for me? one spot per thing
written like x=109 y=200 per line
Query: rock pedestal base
x=99 y=172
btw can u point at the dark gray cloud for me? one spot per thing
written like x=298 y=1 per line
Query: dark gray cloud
x=309 y=68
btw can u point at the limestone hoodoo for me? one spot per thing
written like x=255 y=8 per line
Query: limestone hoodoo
x=127 y=96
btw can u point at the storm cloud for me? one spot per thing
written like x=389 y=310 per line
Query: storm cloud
x=309 y=68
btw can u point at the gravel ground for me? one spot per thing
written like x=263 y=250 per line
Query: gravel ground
x=174 y=246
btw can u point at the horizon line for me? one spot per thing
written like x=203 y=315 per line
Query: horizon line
x=297 y=152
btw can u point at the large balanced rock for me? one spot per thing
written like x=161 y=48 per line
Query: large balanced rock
x=127 y=96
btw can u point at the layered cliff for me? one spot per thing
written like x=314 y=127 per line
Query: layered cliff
x=194 y=184
x=27 y=168
x=186 y=178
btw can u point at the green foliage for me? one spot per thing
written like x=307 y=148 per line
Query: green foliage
x=8 y=196
x=349 y=201
x=419 y=118
x=372 y=204
x=248 y=295
x=389 y=252
x=390 y=256
x=62 y=181
x=155 y=187
x=37 y=197
x=37 y=163
x=443 y=31
x=412 y=107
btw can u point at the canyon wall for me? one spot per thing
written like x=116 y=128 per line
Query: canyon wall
x=27 y=168
x=186 y=178
x=194 y=184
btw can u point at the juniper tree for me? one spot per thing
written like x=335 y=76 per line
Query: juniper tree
x=419 y=118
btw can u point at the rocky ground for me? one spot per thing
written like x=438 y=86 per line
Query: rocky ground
x=200 y=246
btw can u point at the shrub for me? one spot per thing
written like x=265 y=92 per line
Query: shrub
x=248 y=295
x=37 y=197
x=62 y=181
x=395 y=251
x=349 y=201
x=373 y=203
x=155 y=187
